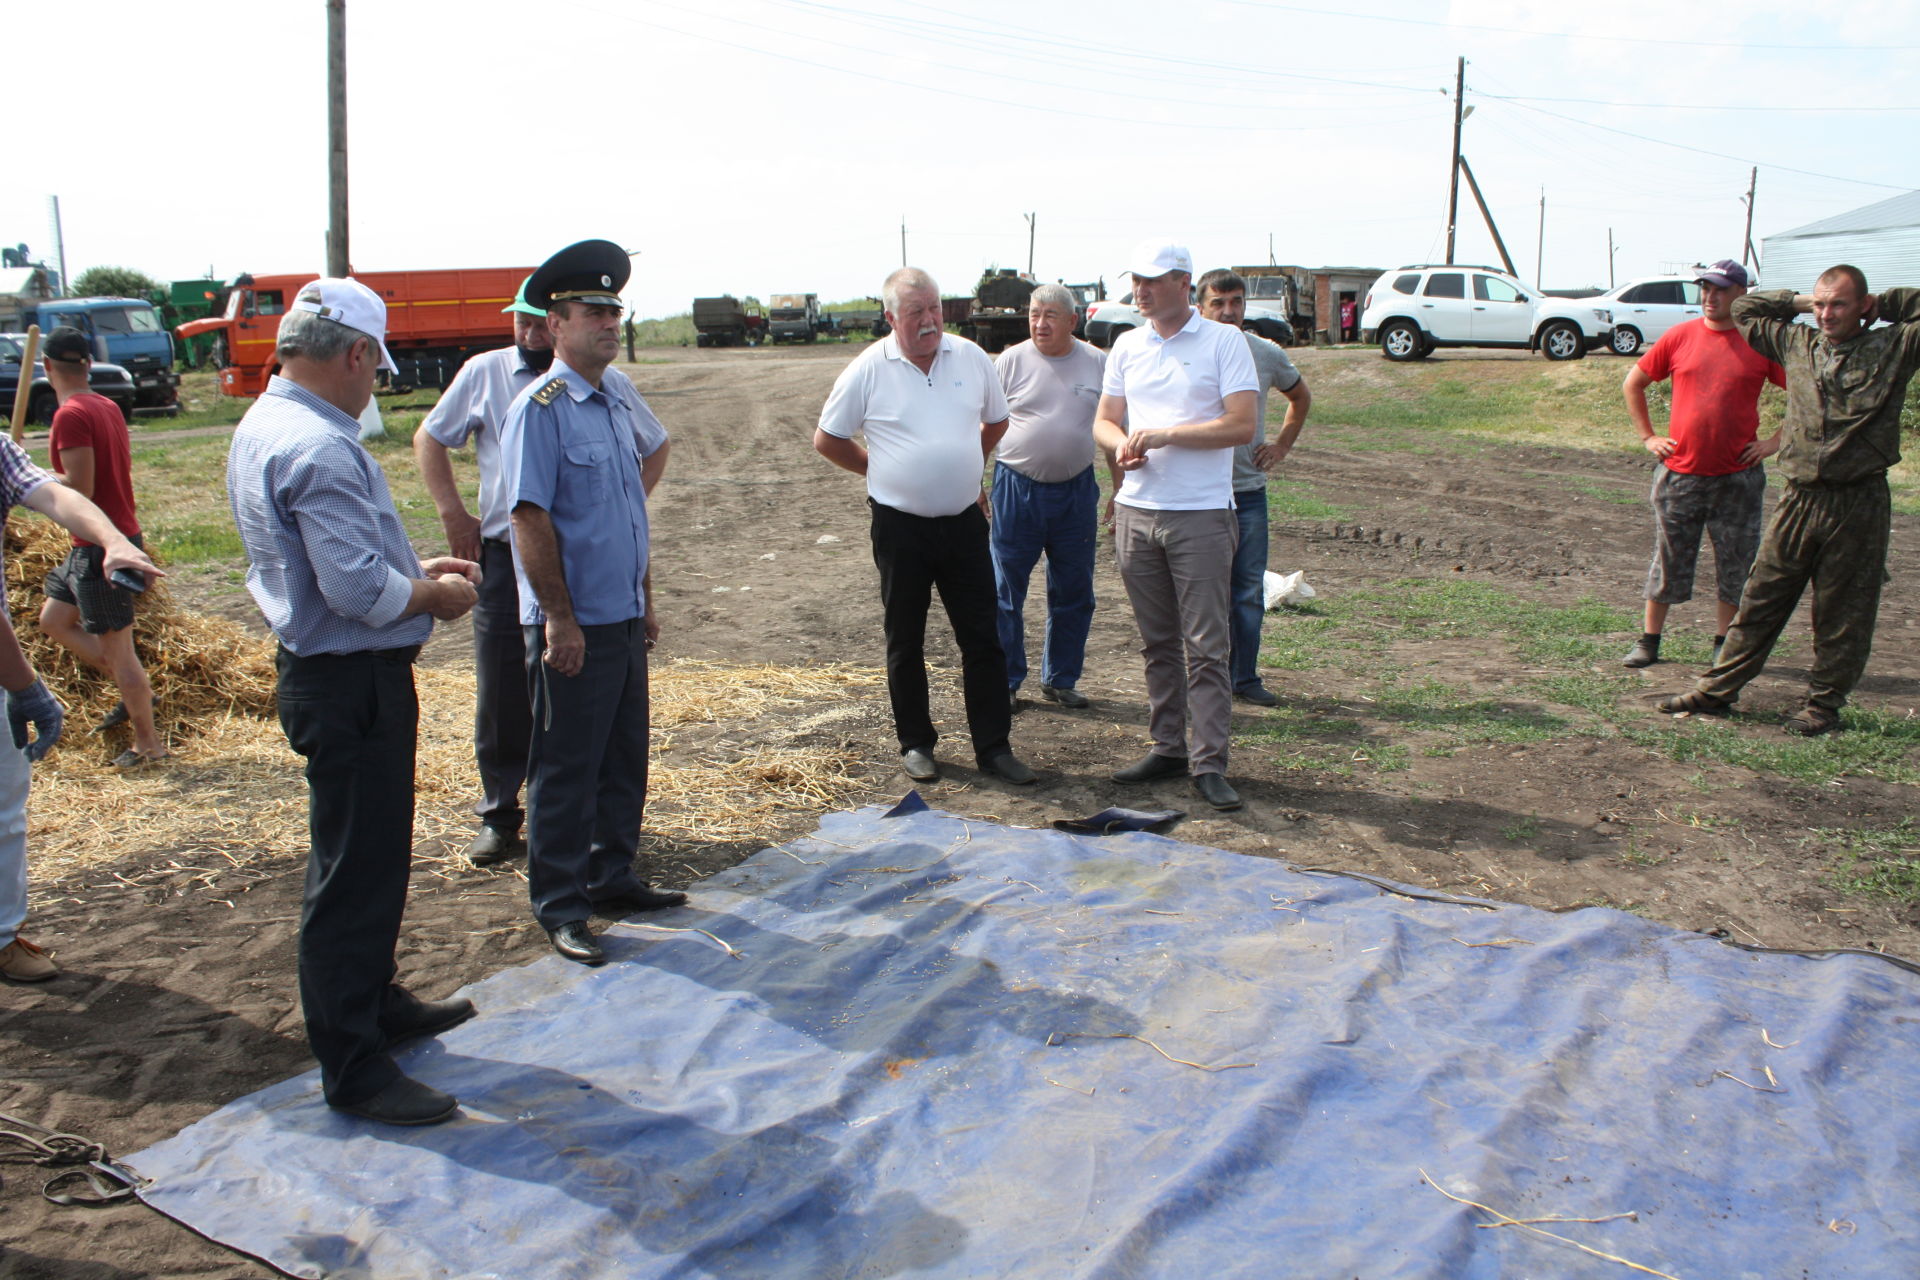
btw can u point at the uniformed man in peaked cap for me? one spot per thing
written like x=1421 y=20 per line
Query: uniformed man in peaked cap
x=579 y=452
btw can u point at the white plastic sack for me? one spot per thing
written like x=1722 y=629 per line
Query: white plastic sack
x=1286 y=588
x=371 y=428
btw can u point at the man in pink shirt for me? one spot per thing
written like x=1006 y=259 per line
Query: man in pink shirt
x=1709 y=477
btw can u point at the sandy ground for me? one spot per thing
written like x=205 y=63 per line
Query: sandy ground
x=178 y=995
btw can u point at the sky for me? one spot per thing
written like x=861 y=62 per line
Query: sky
x=774 y=146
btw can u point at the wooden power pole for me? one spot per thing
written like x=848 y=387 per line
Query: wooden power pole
x=1032 y=224
x=1746 y=252
x=338 y=260
x=1453 y=169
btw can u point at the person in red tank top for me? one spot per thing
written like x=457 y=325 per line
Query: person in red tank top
x=1709 y=478
x=89 y=450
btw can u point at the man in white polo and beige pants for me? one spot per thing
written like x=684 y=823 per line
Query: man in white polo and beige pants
x=1178 y=397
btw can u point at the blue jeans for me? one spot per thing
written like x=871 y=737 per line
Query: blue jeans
x=14 y=772
x=1061 y=519
x=1249 y=588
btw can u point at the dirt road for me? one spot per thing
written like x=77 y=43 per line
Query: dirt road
x=177 y=1002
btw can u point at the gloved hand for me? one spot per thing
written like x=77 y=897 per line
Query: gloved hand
x=34 y=706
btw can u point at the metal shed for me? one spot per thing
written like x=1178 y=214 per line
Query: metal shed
x=1881 y=239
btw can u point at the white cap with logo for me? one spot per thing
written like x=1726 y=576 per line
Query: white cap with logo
x=1151 y=259
x=346 y=301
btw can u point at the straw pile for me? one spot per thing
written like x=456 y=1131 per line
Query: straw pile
x=232 y=799
x=204 y=670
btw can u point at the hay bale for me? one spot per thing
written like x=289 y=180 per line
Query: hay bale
x=204 y=669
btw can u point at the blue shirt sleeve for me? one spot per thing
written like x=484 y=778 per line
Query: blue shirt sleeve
x=530 y=455
x=452 y=420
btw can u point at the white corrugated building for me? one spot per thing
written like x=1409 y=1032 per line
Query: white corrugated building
x=1881 y=239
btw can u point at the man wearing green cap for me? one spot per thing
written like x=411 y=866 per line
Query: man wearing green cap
x=473 y=407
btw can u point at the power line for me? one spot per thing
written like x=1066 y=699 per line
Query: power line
x=1579 y=35
x=1718 y=155
x=1687 y=106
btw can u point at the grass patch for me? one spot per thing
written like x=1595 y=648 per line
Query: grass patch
x=1874 y=864
x=1296 y=500
x=199 y=542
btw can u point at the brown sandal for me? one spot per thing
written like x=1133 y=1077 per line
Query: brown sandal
x=1811 y=721
x=1694 y=703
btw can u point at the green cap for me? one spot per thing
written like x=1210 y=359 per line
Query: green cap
x=521 y=304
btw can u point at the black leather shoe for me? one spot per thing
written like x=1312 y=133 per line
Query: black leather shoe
x=1007 y=767
x=1013 y=702
x=577 y=943
x=1643 y=653
x=428 y=1018
x=1065 y=697
x=1153 y=767
x=405 y=1101
x=493 y=844
x=918 y=764
x=644 y=898
x=1259 y=695
x=1213 y=788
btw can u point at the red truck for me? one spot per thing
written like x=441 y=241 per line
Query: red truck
x=435 y=320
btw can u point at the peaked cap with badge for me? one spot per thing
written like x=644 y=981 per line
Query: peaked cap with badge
x=593 y=271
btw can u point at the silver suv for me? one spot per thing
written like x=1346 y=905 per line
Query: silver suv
x=1412 y=311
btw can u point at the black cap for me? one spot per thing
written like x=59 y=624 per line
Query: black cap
x=591 y=271
x=67 y=345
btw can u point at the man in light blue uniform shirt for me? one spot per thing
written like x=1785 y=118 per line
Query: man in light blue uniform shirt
x=474 y=407
x=578 y=453
x=330 y=566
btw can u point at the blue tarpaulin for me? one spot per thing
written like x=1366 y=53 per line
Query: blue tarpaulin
x=922 y=1045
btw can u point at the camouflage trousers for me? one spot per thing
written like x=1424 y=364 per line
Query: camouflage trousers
x=1726 y=508
x=1835 y=538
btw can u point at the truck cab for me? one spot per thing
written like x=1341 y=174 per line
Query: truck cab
x=126 y=332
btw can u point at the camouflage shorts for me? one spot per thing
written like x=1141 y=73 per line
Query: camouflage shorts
x=1727 y=508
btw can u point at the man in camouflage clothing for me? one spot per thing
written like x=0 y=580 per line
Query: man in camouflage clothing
x=1845 y=384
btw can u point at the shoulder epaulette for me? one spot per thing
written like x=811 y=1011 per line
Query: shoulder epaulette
x=549 y=393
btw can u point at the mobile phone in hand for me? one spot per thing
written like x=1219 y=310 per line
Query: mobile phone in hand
x=128 y=580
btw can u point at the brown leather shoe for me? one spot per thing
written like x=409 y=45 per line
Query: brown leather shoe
x=24 y=962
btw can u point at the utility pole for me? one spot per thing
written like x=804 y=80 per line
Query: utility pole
x=1031 y=224
x=338 y=261
x=1611 y=246
x=903 y=239
x=1271 y=260
x=59 y=246
x=1540 y=245
x=1747 y=253
x=1453 y=170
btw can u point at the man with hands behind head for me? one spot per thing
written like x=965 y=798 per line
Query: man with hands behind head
x=330 y=566
x=1846 y=382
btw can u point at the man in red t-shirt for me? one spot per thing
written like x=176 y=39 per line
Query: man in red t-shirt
x=1709 y=475
x=89 y=450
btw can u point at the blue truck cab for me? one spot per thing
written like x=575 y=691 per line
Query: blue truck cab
x=126 y=332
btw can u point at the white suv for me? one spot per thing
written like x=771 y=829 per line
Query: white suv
x=1109 y=319
x=1646 y=308
x=1412 y=311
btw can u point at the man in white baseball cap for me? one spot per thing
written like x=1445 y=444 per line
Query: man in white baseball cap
x=1178 y=396
x=346 y=301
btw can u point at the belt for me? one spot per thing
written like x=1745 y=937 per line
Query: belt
x=405 y=655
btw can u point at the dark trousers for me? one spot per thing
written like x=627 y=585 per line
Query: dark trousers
x=503 y=713
x=586 y=772
x=1060 y=519
x=353 y=716
x=1249 y=588
x=916 y=555
x=1834 y=538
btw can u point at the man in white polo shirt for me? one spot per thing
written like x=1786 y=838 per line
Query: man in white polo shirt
x=931 y=408
x=1178 y=398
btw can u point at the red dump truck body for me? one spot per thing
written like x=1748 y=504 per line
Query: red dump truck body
x=435 y=320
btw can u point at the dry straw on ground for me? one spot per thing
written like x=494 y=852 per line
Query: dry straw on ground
x=232 y=796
